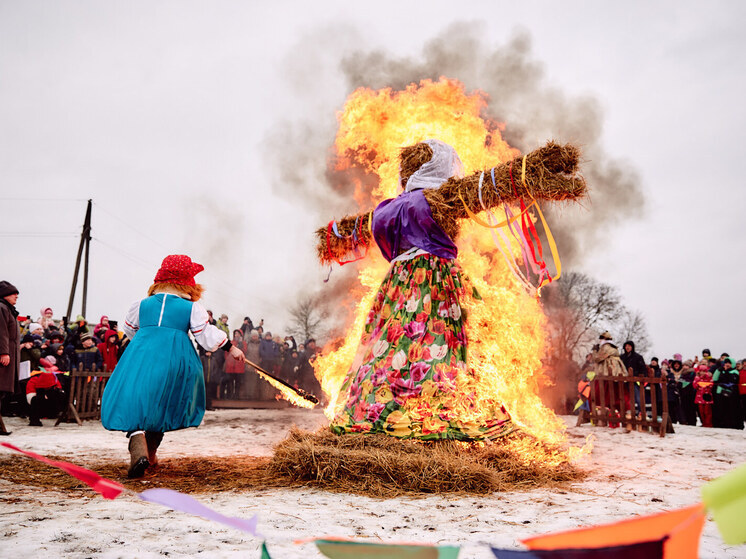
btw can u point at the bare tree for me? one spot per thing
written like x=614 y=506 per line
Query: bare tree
x=579 y=307
x=632 y=326
x=307 y=317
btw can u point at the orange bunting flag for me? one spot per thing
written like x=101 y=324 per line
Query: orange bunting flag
x=679 y=530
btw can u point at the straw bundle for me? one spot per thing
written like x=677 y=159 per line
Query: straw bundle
x=341 y=249
x=551 y=175
x=384 y=466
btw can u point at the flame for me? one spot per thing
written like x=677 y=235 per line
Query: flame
x=507 y=330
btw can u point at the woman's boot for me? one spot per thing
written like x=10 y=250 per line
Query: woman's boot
x=138 y=456
x=153 y=440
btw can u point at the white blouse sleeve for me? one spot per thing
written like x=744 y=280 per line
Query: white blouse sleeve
x=208 y=336
x=132 y=320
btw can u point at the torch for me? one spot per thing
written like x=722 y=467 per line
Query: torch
x=296 y=396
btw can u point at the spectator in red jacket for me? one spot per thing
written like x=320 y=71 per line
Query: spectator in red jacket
x=44 y=395
x=109 y=349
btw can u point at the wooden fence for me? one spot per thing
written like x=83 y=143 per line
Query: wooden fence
x=613 y=402
x=84 y=396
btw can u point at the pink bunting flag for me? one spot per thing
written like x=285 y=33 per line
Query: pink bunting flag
x=107 y=488
x=184 y=503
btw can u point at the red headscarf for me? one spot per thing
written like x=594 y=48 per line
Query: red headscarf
x=178 y=269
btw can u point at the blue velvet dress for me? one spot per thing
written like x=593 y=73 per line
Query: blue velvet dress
x=158 y=383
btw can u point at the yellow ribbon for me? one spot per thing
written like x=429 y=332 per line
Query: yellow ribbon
x=505 y=223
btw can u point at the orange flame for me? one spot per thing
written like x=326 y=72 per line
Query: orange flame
x=507 y=330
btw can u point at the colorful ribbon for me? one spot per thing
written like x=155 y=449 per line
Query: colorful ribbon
x=525 y=234
x=184 y=503
x=107 y=488
x=356 y=237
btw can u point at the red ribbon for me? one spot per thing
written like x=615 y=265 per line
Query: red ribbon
x=107 y=488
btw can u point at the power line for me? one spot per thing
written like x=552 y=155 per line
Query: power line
x=234 y=288
x=40 y=234
x=44 y=199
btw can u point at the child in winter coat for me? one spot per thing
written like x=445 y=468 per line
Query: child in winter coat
x=703 y=399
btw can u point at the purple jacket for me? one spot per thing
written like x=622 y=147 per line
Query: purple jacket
x=405 y=222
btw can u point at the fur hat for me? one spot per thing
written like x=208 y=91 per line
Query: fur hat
x=605 y=336
x=7 y=288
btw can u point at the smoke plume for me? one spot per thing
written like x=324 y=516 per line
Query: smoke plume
x=521 y=96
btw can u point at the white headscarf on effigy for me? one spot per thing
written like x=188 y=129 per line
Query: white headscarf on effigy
x=443 y=165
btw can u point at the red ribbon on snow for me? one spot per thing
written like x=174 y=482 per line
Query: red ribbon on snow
x=107 y=488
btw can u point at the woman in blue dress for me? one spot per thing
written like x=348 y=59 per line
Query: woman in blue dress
x=158 y=386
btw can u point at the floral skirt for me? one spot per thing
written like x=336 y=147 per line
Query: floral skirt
x=413 y=380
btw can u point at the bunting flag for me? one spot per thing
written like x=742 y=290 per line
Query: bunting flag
x=350 y=549
x=107 y=488
x=725 y=498
x=184 y=503
x=679 y=530
x=642 y=550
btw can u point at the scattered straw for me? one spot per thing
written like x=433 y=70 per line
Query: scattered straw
x=371 y=465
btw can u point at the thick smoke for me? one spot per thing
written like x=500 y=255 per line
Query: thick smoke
x=532 y=109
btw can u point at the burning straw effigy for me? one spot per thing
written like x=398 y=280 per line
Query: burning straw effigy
x=432 y=439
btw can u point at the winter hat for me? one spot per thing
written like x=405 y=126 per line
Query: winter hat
x=56 y=336
x=178 y=269
x=28 y=338
x=109 y=334
x=85 y=337
x=34 y=326
x=51 y=359
x=80 y=318
x=677 y=356
x=45 y=309
x=605 y=336
x=7 y=288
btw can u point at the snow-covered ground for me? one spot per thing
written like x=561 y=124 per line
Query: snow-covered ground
x=628 y=474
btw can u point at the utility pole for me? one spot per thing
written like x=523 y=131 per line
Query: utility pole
x=85 y=242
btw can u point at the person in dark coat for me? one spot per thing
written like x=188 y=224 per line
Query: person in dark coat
x=633 y=360
x=687 y=393
x=10 y=347
x=726 y=410
x=88 y=357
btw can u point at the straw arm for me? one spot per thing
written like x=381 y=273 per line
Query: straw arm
x=551 y=174
x=353 y=231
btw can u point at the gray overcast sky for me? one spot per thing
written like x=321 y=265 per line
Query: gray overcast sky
x=160 y=112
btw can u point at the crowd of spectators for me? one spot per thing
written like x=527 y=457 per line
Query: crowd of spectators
x=705 y=390
x=284 y=358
